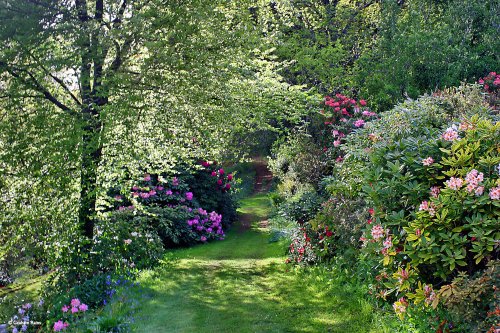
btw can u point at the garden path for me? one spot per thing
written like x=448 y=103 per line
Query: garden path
x=242 y=285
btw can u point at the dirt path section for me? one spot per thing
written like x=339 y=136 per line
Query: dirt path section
x=264 y=177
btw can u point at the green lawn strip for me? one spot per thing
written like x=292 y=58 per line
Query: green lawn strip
x=241 y=285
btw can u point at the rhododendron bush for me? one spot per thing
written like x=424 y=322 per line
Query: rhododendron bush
x=415 y=199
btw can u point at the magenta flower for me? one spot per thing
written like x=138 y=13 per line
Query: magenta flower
x=203 y=238
x=169 y=192
x=65 y=308
x=230 y=177
x=83 y=307
x=189 y=196
x=219 y=181
x=359 y=123
x=74 y=310
x=75 y=302
x=214 y=173
x=147 y=177
x=59 y=326
x=221 y=171
x=228 y=186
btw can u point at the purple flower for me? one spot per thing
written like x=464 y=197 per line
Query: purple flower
x=168 y=192
x=65 y=308
x=74 y=310
x=189 y=196
x=83 y=307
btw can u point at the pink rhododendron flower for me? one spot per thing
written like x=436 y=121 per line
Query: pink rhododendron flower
x=127 y=241
x=479 y=190
x=359 y=123
x=428 y=161
x=362 y=102
x=228 y=186
x=203 y=238
x=425 y=206
x=454 y=183
x=378 y=232
x=435 y=190
x=230 y=177
x=189 y=196
x=387 y=243
x=83 y=307
x=169 y=192
x=221 y=171
x=147 y=177
x=495 y=193
x=450 y=135
x=336 y=143
x=74 y=310
x=219 y=182
x=65 y=308
x=214 y=173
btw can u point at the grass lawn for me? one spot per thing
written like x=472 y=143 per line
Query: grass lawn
x=241 y=285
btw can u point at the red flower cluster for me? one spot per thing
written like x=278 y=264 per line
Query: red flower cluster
x=491 y=82
x=343 y=115
x=224 y=180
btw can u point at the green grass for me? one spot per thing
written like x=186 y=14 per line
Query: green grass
x=241 y=285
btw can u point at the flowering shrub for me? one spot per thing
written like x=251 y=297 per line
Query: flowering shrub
x=436 y=209
x=491 y=82
x=342 y=116
x=167 y=209
x=302 y=249
x=213 y=188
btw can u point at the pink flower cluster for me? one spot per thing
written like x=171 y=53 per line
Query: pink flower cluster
x=428 y=207
x=343 y=115
x=60 y=325
x=472 y=179
x=454 y=183
x=450 y=134
x=495 y=193
x=428 y=161
x=378 y=232
x=75 y=306
x=491 y=82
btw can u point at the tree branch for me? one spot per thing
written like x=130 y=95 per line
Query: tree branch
x=36 y=85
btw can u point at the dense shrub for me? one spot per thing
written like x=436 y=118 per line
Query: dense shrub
x=430 y=188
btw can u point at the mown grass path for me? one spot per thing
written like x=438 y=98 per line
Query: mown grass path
x=241 y=285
